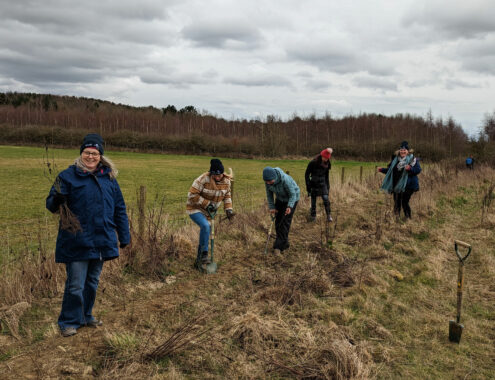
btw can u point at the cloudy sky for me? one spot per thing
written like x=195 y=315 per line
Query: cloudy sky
x=253 y=58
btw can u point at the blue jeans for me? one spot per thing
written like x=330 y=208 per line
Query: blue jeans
x=80 y=293
x=204 y=232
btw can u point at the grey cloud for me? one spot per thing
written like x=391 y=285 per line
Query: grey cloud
x=477 y=55
x=39 y=73
x=338 y=59
x=421 y=83
x=318 y=84
x=483 y=65
x=258 y=80
x=304 y=74
x=451 y=84
x=211 y=73
x=81 y=15
x=375 y=83
x=325 y=58
x=48 y=45
x=44 y=64
x=454 y=20
x=180 y=80
x=223 y=34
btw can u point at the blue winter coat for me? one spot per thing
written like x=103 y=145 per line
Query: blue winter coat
x=285 y=188
x=98 y=203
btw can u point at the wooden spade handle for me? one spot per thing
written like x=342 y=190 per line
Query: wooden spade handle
x=462 y=244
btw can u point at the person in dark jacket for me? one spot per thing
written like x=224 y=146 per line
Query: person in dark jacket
x=287 y=195
x=401 y=178
x=91 y=192
x=317 y=181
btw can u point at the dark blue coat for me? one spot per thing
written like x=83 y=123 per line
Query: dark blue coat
x=98 y=203
x=412 y=175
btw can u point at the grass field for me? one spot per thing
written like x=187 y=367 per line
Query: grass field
x=25 y=185
x=370 y=300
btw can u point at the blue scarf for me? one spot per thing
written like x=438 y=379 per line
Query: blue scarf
x=387 y=184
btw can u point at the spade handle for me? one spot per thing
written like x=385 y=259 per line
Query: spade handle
x=465 y=245
x=269 y=233
x=460 y=283
x=212 y=239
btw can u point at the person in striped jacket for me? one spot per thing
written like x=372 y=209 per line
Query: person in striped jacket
x=207 y=193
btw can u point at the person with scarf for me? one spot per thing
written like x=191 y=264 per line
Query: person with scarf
x=317 y=181
x=401 y=178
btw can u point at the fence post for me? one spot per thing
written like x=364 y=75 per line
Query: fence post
x=141 y=209
x=231 y=175
x=342 y=176
x=361 y=174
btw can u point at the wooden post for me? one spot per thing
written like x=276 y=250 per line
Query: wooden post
x=141 y=208
x=342 y=176
x=231 y=175
x=361 y=174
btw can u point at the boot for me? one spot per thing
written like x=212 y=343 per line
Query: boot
x=327 y=211
x=312 y=215
x=205 y=258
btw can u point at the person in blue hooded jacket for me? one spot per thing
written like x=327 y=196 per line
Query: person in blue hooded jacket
x=401 y=178
x=90 y=191
x=287 y=195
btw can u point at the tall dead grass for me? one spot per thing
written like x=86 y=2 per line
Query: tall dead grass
x=293 y=348
x=319 y=312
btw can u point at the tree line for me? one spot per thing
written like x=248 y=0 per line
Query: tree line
x=61 y=120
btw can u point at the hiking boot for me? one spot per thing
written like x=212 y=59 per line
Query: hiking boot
x=312 y=218
x=205 y=258
x=276 y=252
x=94 y=323
x=329 y=218
x=68 y=331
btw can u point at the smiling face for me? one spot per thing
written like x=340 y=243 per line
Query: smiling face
x=91 y=158
x=403 y=152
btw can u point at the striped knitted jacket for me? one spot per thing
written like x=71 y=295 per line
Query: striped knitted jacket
x=205 y=190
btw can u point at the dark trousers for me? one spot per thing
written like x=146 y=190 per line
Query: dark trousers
x=282 y=225
x=401 y=200
x=326 y=203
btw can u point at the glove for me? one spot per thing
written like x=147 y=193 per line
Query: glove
x=230 y=214
x=123 y=245
x=59 y=199
x=211 y=208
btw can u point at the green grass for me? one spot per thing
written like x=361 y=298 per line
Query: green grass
x=25 y=185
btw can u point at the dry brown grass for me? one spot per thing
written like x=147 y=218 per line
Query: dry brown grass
x=327 y=310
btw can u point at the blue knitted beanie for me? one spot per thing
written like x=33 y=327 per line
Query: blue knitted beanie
x=269 y=174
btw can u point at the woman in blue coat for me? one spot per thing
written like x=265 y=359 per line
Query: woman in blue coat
x=91 y=192
x=401 y=178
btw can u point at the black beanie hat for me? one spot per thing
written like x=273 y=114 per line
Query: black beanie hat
x=216 y=166
x=404 y=145
x=93 y=140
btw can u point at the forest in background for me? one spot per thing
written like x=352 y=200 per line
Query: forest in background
x=29 y=118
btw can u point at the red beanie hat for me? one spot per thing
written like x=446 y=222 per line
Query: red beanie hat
x=325 y=153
